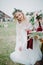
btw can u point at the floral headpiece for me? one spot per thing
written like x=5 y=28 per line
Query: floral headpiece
x=16 y=10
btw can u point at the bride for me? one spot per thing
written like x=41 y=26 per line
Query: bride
x=26 y=52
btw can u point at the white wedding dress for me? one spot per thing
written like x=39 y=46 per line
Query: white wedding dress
x=26 y=56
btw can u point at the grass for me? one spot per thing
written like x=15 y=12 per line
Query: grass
x=7 y=43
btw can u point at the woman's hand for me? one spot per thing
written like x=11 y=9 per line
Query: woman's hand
x=35 y=37
x=41 y=40
x=28 y=31
x=20 y=49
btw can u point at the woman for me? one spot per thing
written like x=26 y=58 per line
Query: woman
x=26 y=52
x=39 y=28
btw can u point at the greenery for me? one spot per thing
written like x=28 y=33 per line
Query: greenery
x=7 y=42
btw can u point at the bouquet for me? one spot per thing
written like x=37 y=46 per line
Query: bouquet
x=37 y=35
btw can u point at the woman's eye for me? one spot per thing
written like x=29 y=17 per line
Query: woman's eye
x=16 y=16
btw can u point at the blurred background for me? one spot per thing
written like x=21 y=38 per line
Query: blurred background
x=8 y=24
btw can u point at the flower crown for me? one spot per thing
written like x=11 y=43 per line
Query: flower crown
x=16 y=10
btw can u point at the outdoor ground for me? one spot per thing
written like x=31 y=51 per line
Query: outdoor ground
x=7 y=42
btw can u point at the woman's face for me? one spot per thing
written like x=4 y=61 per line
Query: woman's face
x=19 y=16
